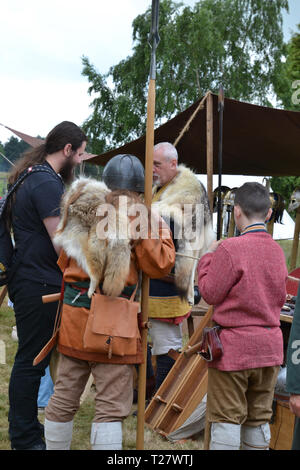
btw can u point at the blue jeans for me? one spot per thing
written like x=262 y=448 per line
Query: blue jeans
x=34 y=321
x=46 y=389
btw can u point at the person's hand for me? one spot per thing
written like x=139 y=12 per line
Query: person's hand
x=214 y=246
x=295 y=404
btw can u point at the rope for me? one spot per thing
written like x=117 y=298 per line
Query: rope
x=187 y=256
x=186 y=127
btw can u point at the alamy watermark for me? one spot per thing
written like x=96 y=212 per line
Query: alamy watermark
x=295 y=357
x=296 y=94
x=134 y=221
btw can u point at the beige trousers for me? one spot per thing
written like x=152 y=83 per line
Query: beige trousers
x=240 y=397
x=114 y=390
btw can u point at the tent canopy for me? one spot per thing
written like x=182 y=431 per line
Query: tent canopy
x=32 y=141
x=36 y=141
x=257 y=140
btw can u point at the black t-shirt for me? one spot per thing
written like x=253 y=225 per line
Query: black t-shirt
x=37 y=198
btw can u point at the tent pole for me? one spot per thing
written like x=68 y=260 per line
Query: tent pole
x=295 y=242
x=220 y=158
x=145 y=279
x=3 y=295
x=154 y=40
x=209 y=148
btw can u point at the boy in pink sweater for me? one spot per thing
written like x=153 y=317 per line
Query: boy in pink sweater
x=244 y=278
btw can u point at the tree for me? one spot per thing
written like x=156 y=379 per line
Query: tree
x=288 y=85
x=288 y=90
x=12 y=149
x=238 y=43
x=2 y=160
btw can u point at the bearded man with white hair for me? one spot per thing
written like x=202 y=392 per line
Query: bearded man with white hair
x=181 y=200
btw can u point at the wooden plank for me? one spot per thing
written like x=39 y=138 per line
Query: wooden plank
x=286 y=318
x=180 y=396
x=283 y=427
x=163 y=399
x=184 y=387
x=294 y=253
x=3 y=295
x=209 y=149
x=186 y=398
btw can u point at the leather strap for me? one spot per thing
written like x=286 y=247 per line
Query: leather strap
x=98 y=291
x=60 y=302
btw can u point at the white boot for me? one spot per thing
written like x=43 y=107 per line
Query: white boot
x=58 y=436
x=225 y=436
x=256 y=438
x=106 y=436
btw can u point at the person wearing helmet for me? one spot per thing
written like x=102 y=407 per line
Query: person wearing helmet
x=124 y=171
x=113 y=375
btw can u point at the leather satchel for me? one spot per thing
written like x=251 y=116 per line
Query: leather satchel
x=112 y=325
x=211 y=347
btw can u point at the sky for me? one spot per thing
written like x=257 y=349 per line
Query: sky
x=42 y=43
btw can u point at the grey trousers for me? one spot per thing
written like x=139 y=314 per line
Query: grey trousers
x=114 y=390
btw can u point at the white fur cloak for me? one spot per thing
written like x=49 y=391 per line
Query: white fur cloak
x=184 y=201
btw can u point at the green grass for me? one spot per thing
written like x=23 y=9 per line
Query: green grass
x=84 y=417
x=3 y=182
x=286 y=245
x=6 y=324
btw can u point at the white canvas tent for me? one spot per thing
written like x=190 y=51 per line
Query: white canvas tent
x=283 y=231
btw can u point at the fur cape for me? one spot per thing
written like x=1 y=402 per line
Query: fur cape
x=184 y=201
x=104 y=259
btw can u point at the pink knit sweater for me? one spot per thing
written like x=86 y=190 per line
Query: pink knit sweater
x=245 y=280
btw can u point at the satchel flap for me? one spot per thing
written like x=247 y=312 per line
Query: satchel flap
x=114 y=316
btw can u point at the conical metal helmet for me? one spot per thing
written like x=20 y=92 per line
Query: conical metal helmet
x=124 y=171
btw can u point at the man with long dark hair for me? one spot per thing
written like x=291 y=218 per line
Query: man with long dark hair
x=34 y=215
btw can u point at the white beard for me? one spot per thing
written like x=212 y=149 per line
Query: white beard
x=156 y=181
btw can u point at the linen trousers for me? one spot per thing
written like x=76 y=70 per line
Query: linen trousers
x=240 y=397
x=114 y=390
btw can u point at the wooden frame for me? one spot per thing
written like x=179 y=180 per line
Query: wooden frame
x=295 y=241
x=183 y=388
